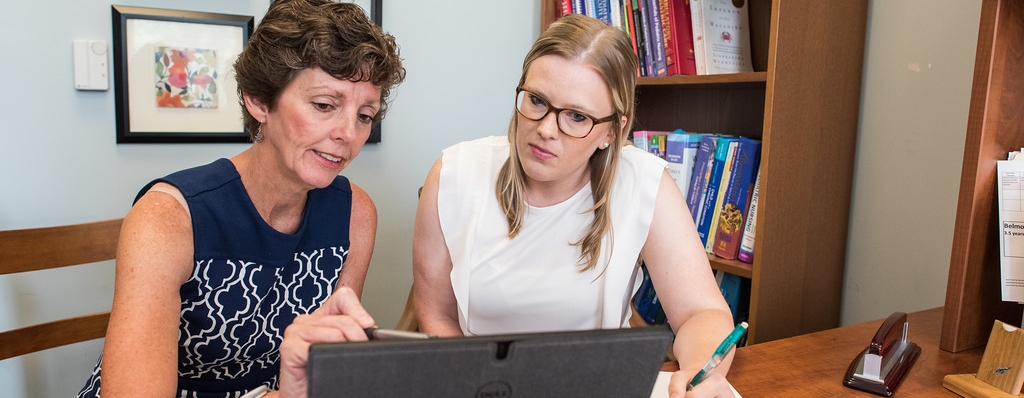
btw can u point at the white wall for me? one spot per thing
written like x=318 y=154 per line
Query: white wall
x=918 y=70
x=59 y=163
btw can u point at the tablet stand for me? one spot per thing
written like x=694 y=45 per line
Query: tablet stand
x=1001 y=372
x=880 y=368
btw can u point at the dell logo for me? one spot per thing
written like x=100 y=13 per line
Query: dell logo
x=494 y=389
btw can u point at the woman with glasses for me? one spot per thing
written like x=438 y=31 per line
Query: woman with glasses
x=541 y=230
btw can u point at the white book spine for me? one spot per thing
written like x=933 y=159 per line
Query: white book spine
x=746 y=253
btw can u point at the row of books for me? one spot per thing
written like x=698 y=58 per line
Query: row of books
x=678 y=37
x=735 y=289
x=718 y=176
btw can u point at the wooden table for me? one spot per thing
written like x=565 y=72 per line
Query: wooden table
x=813 y=365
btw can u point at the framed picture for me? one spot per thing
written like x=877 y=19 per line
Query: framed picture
x=373 y=8
x=173 y=78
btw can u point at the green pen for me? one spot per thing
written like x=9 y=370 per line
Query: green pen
x=720 y=353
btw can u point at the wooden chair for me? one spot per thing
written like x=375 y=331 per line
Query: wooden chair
x=27 y=250
x=408 y=320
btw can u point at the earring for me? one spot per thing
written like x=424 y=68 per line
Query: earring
x=605 y=145
x=259 y=133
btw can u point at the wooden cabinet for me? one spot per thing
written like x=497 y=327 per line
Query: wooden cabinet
x=803 y=102
x=994 y=128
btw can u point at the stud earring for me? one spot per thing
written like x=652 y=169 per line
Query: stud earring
x=605 y=145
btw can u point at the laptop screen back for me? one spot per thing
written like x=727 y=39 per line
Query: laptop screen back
x=619 y=363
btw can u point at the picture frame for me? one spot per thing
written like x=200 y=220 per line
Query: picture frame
x=373 y=7
x=173 y=78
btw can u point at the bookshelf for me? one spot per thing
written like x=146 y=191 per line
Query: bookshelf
x=994 y=128
x=803 y=102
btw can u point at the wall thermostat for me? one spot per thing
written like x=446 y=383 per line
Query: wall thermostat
x=90 y=57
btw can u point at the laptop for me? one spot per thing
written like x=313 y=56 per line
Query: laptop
x=608 y=363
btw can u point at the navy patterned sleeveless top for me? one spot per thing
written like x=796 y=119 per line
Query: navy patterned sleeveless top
x=249 y=281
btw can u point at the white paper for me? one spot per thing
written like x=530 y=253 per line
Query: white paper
x=1010 y=187
x=661 y=386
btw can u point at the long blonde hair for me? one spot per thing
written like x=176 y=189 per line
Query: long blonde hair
x=608 y=51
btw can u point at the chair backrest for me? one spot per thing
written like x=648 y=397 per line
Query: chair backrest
x=34 y=249
x=408 y=320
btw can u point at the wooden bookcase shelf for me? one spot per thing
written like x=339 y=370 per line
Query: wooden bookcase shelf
x=994 y=128
x=803 y=102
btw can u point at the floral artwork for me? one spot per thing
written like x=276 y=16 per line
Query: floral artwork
x=186 y=77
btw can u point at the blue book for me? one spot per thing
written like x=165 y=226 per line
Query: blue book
x=746 y=252
x=603 y=11
x=657 y=39
x=681 y=153
x=732 y=288
x=646 y=55
x=701 y=173
x=579 y=7
x=734 y=206
x=646 y=301
x=707 y=212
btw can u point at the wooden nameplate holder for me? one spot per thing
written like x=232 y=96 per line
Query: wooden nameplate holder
x=880 y=368
x=1001 y=372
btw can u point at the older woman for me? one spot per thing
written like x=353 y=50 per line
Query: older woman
x=217 y=260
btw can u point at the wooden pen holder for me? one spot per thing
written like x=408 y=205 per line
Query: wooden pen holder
x=1001 y=372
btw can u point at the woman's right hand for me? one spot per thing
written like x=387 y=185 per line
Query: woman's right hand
x=341 y=318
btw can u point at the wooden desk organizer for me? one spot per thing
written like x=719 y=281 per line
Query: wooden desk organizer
x=1001 y=372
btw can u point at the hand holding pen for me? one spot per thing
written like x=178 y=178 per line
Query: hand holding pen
x=723 y=349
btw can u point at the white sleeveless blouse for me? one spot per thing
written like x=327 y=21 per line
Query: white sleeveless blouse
x=532 y=283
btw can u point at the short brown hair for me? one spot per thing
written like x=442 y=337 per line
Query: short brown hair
x=299 y=34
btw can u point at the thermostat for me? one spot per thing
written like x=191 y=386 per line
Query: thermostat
x=90 y=57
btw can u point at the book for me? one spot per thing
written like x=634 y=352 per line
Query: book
x=681 y=153
x=646 y=56
x=733 y=209
x=710 y=195
x=715 y=210
x=746 y=252
x=648 y=141
x=659 y=145
x=629 y=26
x=702 y=165
x=657 y=38
x=678 y=27
x=602 y=10
x=646 y=302
x=736 y=291
x=721 y=36
x=578 y=7
x=566 y=8
x=615 y=12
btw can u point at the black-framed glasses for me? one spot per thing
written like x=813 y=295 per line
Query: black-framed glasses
x=570 y=122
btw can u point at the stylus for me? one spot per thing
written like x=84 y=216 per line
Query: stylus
x=391 y=334
x=723 y=350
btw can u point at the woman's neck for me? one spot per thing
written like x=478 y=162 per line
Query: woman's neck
x=275 y=200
